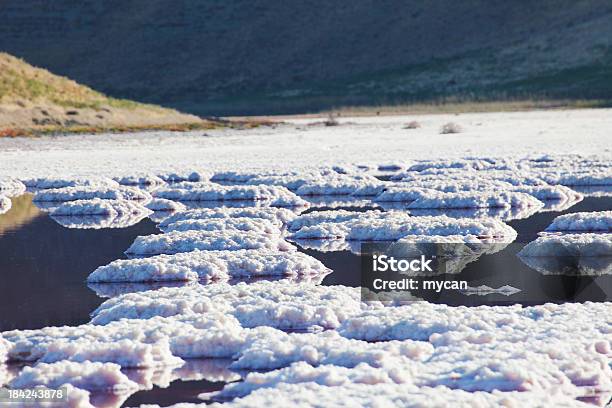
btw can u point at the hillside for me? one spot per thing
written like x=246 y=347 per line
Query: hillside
x=34 y=98
x=258 y=57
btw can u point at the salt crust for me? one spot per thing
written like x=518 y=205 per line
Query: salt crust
x=10 y=187
x=275 y=195
x=583 y=222
x=89 y=193
x=209 y=265
x=258 y=225
x=161 y=204
x=279 y=216
x=187 y=241
x=569 y=245
x=5 y=204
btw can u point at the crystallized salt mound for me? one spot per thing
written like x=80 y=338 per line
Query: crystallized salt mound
x=572 y=245
x=213 y=334
x=276 y=195
x=99 y=221
x=193 y=176
x=583 y=221
x=187 y=241
x=390 y=229
x=11 y=187
x=328 y=347
x=453 y=185
x=258 y=225
x=570 y=266
x=483 y=325
x=545 y=193
x=4 y=346
x=140 y=180
x=89 y=193
x=55 y=183
x=87 y=375
x=329 y=216
x=342 y=186
x=290 y=181
x=209 y=265
x=96 y=206
x=264 y=303
x=503 y=199
x=324 y=230
x=328 y=375
x=125 y=352
x=5 y=204
x=403 y=194
x=594 y=177
x=278 y=216
x=364 y=394
x=233 y=176
x=161 y=204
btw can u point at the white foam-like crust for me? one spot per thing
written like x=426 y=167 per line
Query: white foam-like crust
x=594 y=177
x=233 y=176
x=189 y=175
x=453 y=185
x=403 y=194
x=263 y=303
x=5 y=204
x=574 y=245
x=277 y=196
x=96 y=206
x=11 y=187
x=126 y=353
x=488 y=178
x=373 y=392
x=259 y=225
x=161 y=204
x=583 y=221
x=99 y=221
x=279 y=216
x=58 y=182
x=290 y=181
x=209 y=265
x=278 y=349
x=89 y=193
x=342 y=186
x=481 y=199
x=328 y=216
x=212 y=334
x=546 y=193
x=399 y=226
x=4 y=347
x=86 y=375
x=140 y=180
x=187 y=241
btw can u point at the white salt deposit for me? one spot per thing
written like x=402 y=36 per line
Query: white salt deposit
x=140 y=180
x=161 y=204
x=187 y=241
x=276 y=196
x=46 y=183
x=483 y=199
x=5 y=204
x=572 y=245
x=402 y=194
x=86 y=375
x=330 y=216
x=258 y=225
x=209 y=265
x=342 y=186
x=11 y=187
x=583 y=222
x=264 y=303
x=96 y=206
x=278 y=216
x=89 y=193
x=187 y=175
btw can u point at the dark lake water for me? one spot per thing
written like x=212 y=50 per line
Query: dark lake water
x=43 y=267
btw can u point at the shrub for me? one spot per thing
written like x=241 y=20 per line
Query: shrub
x=450 y=127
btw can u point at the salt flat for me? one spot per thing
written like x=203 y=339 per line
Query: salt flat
x=298 y=146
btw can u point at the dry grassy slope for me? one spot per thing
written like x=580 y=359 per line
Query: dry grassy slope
x=245 y=56
x=32 y=97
